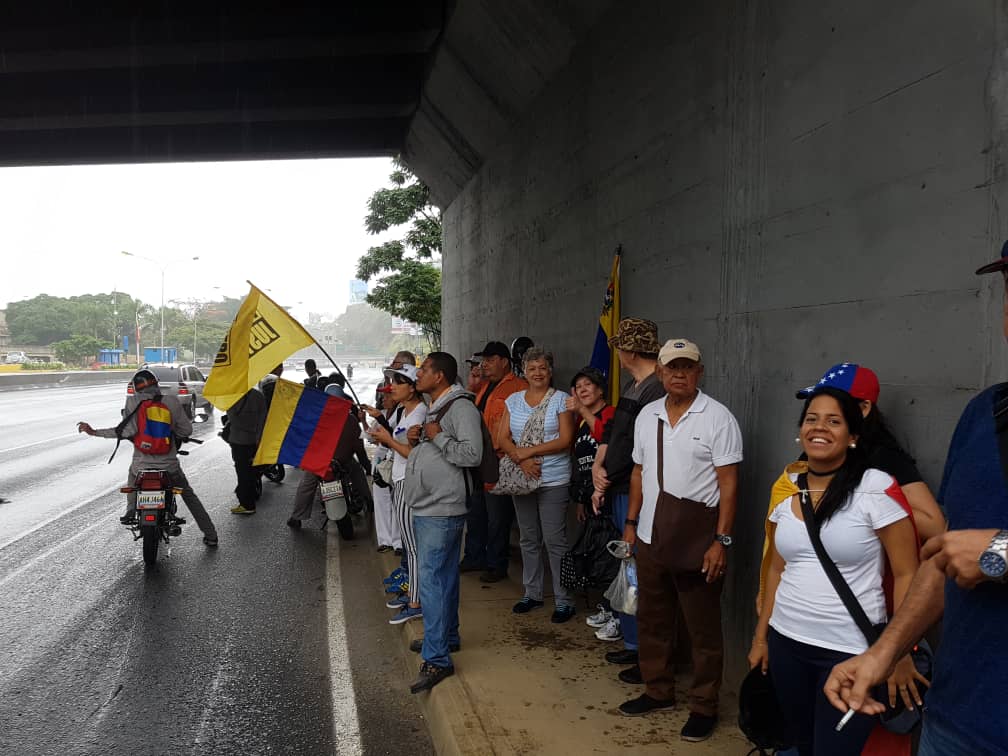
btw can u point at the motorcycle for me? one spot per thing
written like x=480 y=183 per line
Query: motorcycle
x=157 y=517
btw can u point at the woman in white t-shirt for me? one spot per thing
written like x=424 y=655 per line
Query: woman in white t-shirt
x=804 y=628
x=414 y=413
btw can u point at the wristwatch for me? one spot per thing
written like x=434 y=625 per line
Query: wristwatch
x=628 y=521
x=723 y=539
x=994 y=561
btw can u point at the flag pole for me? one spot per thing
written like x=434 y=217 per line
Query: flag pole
x=321 y=348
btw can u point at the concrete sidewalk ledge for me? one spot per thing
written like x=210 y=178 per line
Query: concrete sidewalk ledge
x=523 y=685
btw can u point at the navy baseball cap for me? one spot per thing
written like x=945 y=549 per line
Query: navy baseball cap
x=996 y=266
x=494 y=349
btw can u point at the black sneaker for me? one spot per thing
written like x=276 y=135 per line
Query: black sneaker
x=526 y=605
x=465 y=566
x=293 y=523
x=416 y=646
x=492 y=576
x=644 y=704
x=622 y=657
x=698 y=727
x=430 y=676
x=129 y=519
x=631 y=675
x=211 y=541
x=561 y=614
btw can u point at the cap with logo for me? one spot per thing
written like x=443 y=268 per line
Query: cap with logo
x=494 y=349
x=675 y=349
x=860 y=382
x=997 y=265
x=406 y=371
x=636 y=335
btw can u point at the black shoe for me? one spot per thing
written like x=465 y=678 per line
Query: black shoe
x=526 y=605
x=293 y=523
x=698 y=727
x=622 y=657
x=631 y=675
x=561 y=614
x=465 y=566
x=416 y=646
x=129 y=519
x=430 y=676
x=210 y=541
x=398 y=552
x=493 y=576
x=643 y=704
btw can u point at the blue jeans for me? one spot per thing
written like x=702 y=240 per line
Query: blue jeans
x=628 y=622
x=438 y=542
x=937 y=740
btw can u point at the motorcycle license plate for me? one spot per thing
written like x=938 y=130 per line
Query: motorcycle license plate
x=331 y=490
x=150 y=500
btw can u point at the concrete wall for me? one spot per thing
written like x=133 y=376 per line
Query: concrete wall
x=794 y=184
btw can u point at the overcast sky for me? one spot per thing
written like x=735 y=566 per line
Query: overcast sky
x=294 y=227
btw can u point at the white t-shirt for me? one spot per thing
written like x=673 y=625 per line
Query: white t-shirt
x=407 y=421
x=705 y=438
x=807 y=608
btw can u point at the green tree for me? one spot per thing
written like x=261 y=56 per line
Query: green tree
x=407 y=270
x=78 y=350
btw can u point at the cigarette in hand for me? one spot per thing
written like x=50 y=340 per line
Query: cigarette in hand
x=845 y=719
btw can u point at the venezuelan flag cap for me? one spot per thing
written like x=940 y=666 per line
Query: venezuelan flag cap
x=858 y=381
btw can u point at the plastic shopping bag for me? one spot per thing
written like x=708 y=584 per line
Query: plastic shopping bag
x=622 y=593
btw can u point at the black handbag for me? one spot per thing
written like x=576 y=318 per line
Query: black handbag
x=760 y=716
x=897 y=719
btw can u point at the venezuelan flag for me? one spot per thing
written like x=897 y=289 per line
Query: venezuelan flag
x=303 y=428
x=603 y=357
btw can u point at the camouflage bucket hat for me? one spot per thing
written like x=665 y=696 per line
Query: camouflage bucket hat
x=636 y=335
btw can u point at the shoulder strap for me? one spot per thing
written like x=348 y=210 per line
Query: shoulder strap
x=1001 y=425
x=442 y=410
x=661 y=457
x=122 y=424
x=840 y=585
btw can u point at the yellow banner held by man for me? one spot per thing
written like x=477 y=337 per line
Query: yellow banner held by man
x=261 y=337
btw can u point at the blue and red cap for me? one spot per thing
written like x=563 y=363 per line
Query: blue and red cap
x=996 y=266
x=858 y=381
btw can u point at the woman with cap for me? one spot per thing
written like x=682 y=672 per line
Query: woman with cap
x=542 y=514
x=865 y=526
x=590 y=409
x=403 y=385
x=883 y=450
x=386 y=524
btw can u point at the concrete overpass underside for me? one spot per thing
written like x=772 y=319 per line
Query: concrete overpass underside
x=122 y=81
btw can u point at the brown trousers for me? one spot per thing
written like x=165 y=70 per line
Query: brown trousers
x=660 y=594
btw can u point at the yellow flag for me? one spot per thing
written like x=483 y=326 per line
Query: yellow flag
x=261 y=337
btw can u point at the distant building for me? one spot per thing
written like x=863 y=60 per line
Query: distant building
x=4 y=333
x=358 y=291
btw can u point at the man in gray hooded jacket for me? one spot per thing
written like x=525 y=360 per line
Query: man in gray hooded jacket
x=438 y=481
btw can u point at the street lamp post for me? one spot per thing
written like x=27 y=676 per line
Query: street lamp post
x=163 y=268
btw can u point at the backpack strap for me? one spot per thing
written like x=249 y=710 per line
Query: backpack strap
x=119 y=428
x=1001 y=425
x=442 y=411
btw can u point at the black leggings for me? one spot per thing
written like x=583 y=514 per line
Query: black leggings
x=799 y=672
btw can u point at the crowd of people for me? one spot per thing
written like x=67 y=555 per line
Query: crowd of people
x=663 y=467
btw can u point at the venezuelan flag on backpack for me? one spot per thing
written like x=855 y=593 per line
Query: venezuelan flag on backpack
x=303 y=428
x=604 y=357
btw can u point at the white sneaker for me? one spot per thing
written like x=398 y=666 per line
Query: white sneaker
x=600 y=618
x=611 y=631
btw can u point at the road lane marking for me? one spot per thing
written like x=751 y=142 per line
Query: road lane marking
x=62 y=513
x=36 y=443
x=346 y=724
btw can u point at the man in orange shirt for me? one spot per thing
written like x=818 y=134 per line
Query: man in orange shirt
x=488 y=523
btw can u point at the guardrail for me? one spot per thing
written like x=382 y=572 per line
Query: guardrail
x=31 y=379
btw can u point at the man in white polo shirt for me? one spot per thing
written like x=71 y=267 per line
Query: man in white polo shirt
x=683 y=490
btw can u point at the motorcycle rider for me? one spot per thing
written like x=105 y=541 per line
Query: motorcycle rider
x=145 y=386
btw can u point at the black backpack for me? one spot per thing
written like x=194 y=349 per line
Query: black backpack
x=589 y=564
x=760 y=717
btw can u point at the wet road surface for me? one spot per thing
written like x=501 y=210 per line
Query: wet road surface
x=275 y=643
